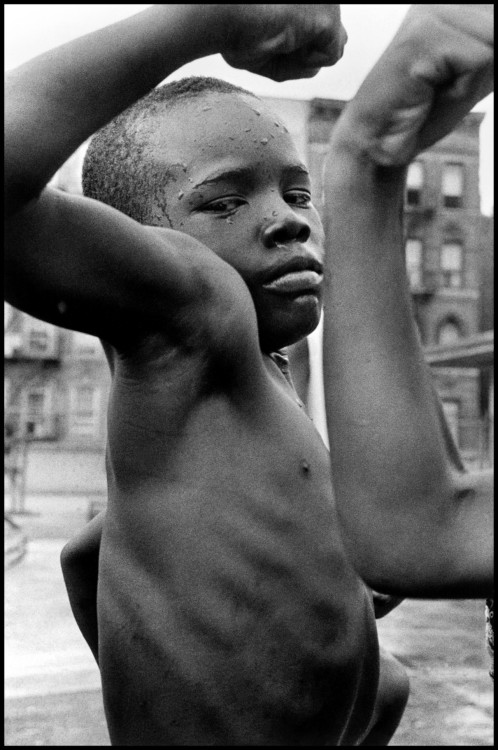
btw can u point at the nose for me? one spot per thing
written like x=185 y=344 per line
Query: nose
x=286 y=226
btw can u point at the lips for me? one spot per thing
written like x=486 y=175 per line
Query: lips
x=296 y=281
x=299 y=275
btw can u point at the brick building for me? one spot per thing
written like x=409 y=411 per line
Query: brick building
x=57 y=381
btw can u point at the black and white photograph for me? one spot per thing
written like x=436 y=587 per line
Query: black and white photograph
x=248 y=375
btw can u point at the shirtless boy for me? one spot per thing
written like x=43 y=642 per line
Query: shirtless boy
x=228 y=611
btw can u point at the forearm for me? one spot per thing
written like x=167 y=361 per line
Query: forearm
x=409 y=513
x=372 y=354
x=57 y=100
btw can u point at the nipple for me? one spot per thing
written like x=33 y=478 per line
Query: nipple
x=305 y=467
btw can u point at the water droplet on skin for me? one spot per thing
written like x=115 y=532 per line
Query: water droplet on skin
x=276 y=124
x=256 y=112
x=231 y=138
x=180 y=195
x=229 y=221
x=305 y=467
x=285 y=129
x=264 y=141
x=206 y=109
x=247 y=130
x=274 y=213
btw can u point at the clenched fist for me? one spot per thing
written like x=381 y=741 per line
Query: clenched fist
x=438 y=66
x=283 y=41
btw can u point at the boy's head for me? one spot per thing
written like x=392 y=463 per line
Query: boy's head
x=209 y=159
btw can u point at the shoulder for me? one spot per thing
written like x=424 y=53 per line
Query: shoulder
x=214 y=312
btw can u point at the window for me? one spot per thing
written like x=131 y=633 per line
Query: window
x=449 y=332
x=37 y=405
x=452 y=264
x=453 y=185
x=84 y=418
x=414 y=183
x=40 y=338
x=38 y=341
x=85 y=345
x=413 y=255
x=451 y=411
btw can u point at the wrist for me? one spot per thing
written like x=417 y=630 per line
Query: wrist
x=353 y=160
x=207 y=28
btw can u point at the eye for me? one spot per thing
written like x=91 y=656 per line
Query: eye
x=223 y=206
x=300 y=198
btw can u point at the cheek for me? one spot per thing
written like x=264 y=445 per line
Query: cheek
x=230 y=238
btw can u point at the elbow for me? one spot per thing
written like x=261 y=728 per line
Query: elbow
x=68 y=559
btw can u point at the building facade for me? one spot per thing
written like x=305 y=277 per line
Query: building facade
x=57 y=381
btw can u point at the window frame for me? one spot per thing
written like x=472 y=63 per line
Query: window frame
x=78 y=427
x=413 y=192
x=447 y=272
x=453 y=199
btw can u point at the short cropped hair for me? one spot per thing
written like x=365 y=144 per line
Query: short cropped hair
x=116 y=170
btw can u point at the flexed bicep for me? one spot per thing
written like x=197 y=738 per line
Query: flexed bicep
x=80 y=264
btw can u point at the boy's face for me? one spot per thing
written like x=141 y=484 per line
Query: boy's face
x=234 y=181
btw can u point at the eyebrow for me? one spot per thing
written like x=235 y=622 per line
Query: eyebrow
x=227 y=175
x=248 y=173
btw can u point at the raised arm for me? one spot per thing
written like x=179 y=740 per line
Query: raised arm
x=83 y=265
x=70 y=260
x=415 y=522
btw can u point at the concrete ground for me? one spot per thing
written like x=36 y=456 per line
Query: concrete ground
x=52 y=685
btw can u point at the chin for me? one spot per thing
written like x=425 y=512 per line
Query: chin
x=290 y=329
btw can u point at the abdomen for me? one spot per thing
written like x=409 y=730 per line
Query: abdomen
x=228 y=622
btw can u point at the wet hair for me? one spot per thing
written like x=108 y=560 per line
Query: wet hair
x=116 y=169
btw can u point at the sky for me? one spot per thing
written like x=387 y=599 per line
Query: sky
x=32 y=29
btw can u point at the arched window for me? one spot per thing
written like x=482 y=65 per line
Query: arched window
x=449 y=331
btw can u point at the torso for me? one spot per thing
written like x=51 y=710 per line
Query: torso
x=227 y=608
